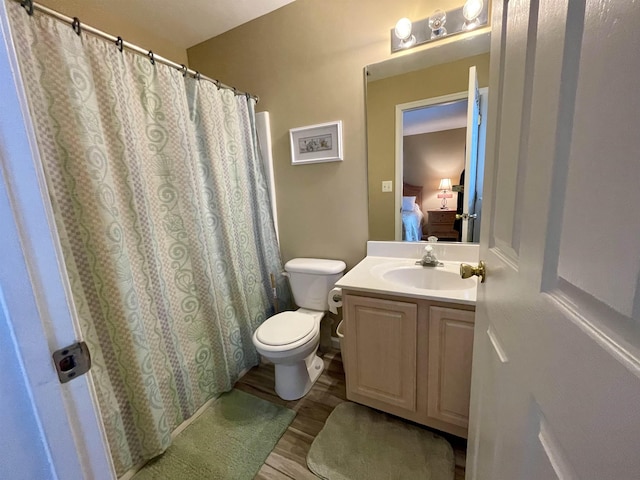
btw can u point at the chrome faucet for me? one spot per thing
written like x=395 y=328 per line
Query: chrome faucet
x=429 y=258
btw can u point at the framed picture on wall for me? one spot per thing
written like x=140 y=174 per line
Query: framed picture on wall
x=316 y=143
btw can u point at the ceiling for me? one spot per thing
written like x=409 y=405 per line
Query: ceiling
x=187 y=22
x=436 y=118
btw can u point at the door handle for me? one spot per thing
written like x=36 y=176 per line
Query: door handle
x=466 y=216
x=467 y=271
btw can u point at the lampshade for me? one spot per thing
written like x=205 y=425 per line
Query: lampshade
x=445 y=184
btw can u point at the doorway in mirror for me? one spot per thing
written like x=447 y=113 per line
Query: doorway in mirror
x=440 y=141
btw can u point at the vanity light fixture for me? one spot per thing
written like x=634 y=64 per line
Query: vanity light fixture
x=445 y=186
x=403 y=32
x=470 y=15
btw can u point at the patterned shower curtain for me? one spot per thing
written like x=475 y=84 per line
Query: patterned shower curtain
x=163 y=215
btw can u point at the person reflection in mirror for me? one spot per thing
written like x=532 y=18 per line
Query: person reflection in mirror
x=457 y=225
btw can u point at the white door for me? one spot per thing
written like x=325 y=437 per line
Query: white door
x=47 y=430
x=471 y=156
x=556 y=373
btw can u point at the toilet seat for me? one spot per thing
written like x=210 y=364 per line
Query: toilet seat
x=286 y=329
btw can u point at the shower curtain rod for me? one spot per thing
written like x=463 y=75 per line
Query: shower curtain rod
x=30 y=6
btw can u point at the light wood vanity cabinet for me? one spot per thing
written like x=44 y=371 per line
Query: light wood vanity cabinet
x=382 y=334
x=410 y=357
x=449 y=365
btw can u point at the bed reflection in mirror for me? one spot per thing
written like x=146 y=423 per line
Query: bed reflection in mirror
x=412 y=216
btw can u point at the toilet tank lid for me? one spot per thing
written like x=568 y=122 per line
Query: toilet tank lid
x=318 y=266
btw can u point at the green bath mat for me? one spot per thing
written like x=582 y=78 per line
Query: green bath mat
x=358 y=442
x=230 y=440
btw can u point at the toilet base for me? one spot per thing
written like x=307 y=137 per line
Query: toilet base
x=293 y=381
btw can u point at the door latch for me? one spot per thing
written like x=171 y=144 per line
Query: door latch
x=72 y=361
x=466 y=216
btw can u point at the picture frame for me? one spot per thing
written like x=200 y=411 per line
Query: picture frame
x=316 y=143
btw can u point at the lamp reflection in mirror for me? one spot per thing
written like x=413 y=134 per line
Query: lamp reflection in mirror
x=445 y=186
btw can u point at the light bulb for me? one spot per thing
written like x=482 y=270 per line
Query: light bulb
x=471 y=9
x=403 y=28
x=403 y=32
x=436 y=23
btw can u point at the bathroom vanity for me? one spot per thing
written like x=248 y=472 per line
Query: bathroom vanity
x=409 y=339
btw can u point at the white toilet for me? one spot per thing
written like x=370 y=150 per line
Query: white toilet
x=290 y=339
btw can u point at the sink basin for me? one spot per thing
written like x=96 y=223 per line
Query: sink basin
x=427 y=278
x=401 y=276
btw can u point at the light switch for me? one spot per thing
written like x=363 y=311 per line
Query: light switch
x=387 y=186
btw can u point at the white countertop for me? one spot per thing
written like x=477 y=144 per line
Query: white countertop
x=363 y=278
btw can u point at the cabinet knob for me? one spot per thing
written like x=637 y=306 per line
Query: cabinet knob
x=467 y=271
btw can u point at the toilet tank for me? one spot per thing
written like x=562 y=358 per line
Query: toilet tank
x=311 y=279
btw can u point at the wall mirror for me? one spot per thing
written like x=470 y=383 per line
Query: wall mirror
x=425 y=141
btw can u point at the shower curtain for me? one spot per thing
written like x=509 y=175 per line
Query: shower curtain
x=163 y=215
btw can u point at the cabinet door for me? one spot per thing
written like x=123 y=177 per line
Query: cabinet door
x=450 y=354
x=381 y=338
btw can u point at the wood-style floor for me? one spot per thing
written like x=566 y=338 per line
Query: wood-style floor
x=288 y=458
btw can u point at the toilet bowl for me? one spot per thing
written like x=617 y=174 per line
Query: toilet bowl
x=290 y=339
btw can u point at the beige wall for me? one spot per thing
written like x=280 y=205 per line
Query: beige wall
x=108 y=20
x=382 y=98
x=306 y=61
x=429 y=157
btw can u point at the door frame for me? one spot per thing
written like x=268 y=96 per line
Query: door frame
x=399 y=157
x=38 y=303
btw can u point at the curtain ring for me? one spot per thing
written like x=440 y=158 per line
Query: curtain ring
x=28 y=6
x=217 y=83
x=151 y=57
x=257 y=98
x=183 y=69
x=235 y=90
x=197 y=76
x=76 y=26
x=119 y=43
